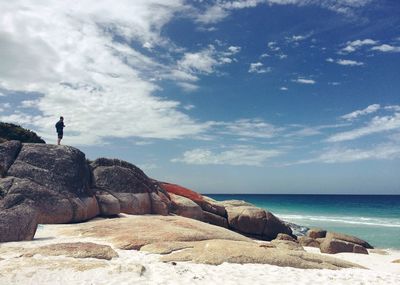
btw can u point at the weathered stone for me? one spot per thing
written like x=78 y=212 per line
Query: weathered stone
x=287 y=245
x=18 y=223
x=186 y=208
x=281 y=236
x=120 y=176
x=348 y=238
x=215 y=219
x=134 y=203
x=59 y=169
x=255 y=221
x=248 y=220
x=8 y=153
x=77 y=250
x=333 y=246
x=132 y=232
x=219 y=251
x=108 y=204
x=307 y=241
x=158 y=204
x=316 y=233
x=52 y=207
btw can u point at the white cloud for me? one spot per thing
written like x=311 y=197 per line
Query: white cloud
x=5 y=105
x=345 y=62
x=236 y=156
x=283 y=88
x=104 y=88
x=376 y=125
x=258 y=67
x=386 y=48
x=234 y=49
x=304 y=81
x=189 y=107
x=349 y=62
x=354 y=45
x=255 y=128
x=341 y=155
x=199 y=62
x=187 y=86
x=221 y=9
x=369 y=110
x=395 y=108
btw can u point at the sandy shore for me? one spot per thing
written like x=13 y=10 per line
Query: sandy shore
x=134 y=267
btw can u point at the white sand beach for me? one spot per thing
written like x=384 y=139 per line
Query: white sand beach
x=135 y=267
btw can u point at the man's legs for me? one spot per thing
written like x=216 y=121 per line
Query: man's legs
x=60 y=136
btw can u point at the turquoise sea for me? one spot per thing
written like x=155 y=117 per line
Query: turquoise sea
x=375 y=218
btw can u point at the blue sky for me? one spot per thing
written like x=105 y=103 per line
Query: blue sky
x=256 y=96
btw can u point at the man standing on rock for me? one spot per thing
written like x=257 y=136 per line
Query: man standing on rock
x=60 y=129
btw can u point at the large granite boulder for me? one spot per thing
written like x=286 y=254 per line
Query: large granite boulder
x=215 y=219
x=57 y=181
x=256 y=222
x=219 y=251
x=126 y=182
x=206 y=203
x=348 y=238
x=186 y=208
x=307 y=241
x=133 y=232
x=75 y=250
x=18 y=222
x=333 y=246
x=59 y=168
x=316 y=233
x=8 y=153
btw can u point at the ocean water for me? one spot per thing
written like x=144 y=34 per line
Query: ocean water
x=375 y=218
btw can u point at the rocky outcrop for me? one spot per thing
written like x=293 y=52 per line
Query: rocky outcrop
x=307 y=241
x=60 y=186
x=281 y=236
x=9 y=132
x=18 y=223
x=56 y=179
x=348 y=238
x=219 y=251
x=333 y=246
x=128 y=184
x=133 y=232
x=186 y=208
x=287 y=245
x=8 y=153
x=256 y=222
x=76 y=250
x=316 y=233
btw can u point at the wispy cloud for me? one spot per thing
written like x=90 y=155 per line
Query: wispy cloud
x=258 y=67
x=346 y=62
x=386 y=48
x=349 y=62
x=241 y=155
x=302 y=80
x=355 y=114
x=376 y=125
x=352 y=46
x=255 y=128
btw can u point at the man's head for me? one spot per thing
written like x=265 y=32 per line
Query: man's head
x=62 y=118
